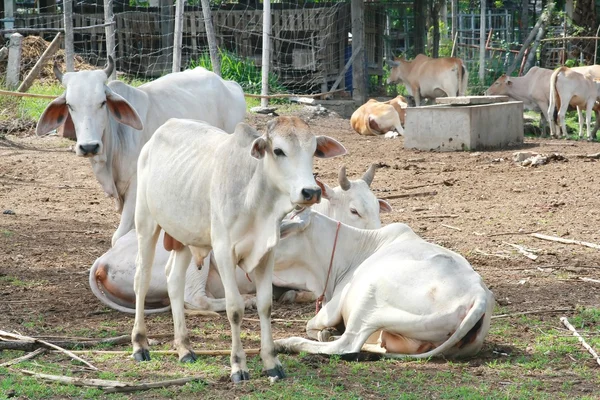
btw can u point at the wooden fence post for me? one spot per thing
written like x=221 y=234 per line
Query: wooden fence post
x=359 y=73
x=266 y=52
x=178 y=36
x=109 y=17
x=211 y=37
x=69 y=50
x=35 y=71
x=14 y=61
x=482 y=22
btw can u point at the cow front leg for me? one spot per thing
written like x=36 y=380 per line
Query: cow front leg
x=588 y=120
x=580 y=119
x=235 y=311
x=562 y=117
x=263 y=277
x=147 y=238
x=176 y=270
x=127 y=221
x=597 y=125
x=328 y=317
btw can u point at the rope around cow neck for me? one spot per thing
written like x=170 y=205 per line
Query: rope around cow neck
x=320 y=299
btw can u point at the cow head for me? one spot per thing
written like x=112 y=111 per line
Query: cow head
x=398 y=70
x=88 y=101
x=500 y=87
x=287 y=150
x=353 y=202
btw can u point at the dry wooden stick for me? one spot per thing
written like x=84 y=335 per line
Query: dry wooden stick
x=451 y=227
x=446 y=182
x=566 y=323
x=301 y=321
x=404 y=195
x=512 y=233
x=589 y=280
x=63 y=342
x=532 y=312
x=27 y=356
x=130 y=387
x=438 y=216
x=567 y=241
x=227 y=352
x=47 y=344
x=523 y=251
x=98 y=383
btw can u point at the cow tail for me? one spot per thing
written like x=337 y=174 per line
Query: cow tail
x=554 y=96
x=472 y=321
x=463 y=80
x=112 y=301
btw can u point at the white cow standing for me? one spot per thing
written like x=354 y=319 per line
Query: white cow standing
x=226 y=193
x=415 y=297
x=112 y=275
x=113 y=121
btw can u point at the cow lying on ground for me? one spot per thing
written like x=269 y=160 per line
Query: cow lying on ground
x=414 y=297
x=380 y=118
x=426 y=77
x=111 y=276
x=533 y=89
x=226 y=193
x=107 y=118
x=570 y=87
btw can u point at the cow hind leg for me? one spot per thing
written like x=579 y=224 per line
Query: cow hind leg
x=176 y=270
x=147 y=234
x=580 y=120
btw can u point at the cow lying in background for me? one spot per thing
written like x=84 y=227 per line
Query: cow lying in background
x=111 y=276
x=210 y=191
x=533 y=89
x=570 y=87
x=426 y=77
x=414 y=297
x=113 y=121
x=380 y=118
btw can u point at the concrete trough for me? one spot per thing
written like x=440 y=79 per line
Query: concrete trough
x=484 y=123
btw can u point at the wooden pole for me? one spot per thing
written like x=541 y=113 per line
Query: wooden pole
x=35 y=71
x=178 y=36
x=359 y=73
x=13 y=68
x=166 y=33
x=211 y=37
x=109 y=29
x=454 y=19
x=266 y=52
x=482 y=44
x=68 y=22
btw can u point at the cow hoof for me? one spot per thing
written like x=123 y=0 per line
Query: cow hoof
x=189 y=357
x=240 y=376
x=142 y=355
x=276 y=373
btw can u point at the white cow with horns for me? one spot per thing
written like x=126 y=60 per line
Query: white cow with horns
x=388 y=285
x=226 y=193
x=108 y=116
x=112 y=275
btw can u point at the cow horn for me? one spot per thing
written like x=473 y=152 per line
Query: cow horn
x=110 y=66
x=392 y=63
x=369 y=175
x=57 y=73
x=343 y=179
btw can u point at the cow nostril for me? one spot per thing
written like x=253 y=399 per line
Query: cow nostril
x=309 y=194
x=89 y=148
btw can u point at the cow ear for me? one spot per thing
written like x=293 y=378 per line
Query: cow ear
x=509 y=82
x=384 y=206
x=122 y=111
x=259 y=147
x=326 y=191
x=53 y=116
x=328 y=147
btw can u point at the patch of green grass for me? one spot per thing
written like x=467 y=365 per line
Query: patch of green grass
x=7 y=233
x=13 y=281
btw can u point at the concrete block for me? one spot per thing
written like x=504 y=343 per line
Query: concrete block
x=471 y=100
x=456 y=128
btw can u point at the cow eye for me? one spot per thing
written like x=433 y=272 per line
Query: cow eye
x=103 y=104
x=279 y=153
x=353 y=211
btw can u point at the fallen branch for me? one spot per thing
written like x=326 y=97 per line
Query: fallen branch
x=567 y=241
x=251 y=352
x=523 y=251
x=566 y=323
x=447 y=182
x=26 y=357
x=451 y=227
x=301 y=321
x=110 y=386
x=47 y=344
x=404 y=195
x=483 y=253
x=589 y=280
x=65 y=343
x=532 y=312
x=512 y=233
x=438 y=216
x=595 y=156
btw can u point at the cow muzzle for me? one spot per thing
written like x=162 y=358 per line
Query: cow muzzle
x=88 y=149
x=311 y=196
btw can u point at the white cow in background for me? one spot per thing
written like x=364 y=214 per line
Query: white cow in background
x=113 y=121
x=112 y=275
x=388 y=286
x=226 y=193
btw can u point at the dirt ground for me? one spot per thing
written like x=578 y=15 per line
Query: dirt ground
x=60 y=221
